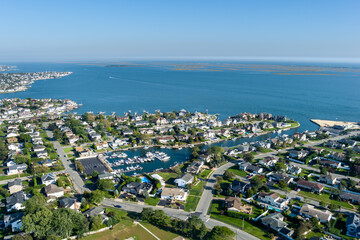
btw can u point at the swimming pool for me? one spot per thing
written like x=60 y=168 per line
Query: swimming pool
x=144 y=179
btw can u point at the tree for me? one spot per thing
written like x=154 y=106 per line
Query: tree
x=106 y=185
x=282 y=184
x=333 y=207
x=62 y=222
x=24 y=138
x=323 y=170
x=221 y=233
x=280 y=166
x=303 y=227
x=217 y=152
x=19 y=159
x=3 y=151
x=349 y=153
x=248 y=157
x=97 y=196
x=96 y=223
x=229 y=175
x=38 y=222
x=95 y=174
x=79 y=166
x=35 y=203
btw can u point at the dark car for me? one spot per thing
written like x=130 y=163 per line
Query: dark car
x=118 y=206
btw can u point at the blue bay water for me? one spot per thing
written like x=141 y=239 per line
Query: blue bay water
x=156 y=86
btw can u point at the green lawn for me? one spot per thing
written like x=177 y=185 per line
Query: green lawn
x=68 y=149
x=197 y=190
x=169 y=178
x=162 y=234
x=152 y=201
x=235 y=169
x=248 y=226
x=6 y=177
x=205 y=173
x=191 y=203
x=326 y=198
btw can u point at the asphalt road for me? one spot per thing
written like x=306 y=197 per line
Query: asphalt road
x=180 y=214
x=78 y=183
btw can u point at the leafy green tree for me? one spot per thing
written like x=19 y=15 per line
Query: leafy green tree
x=97 y=196
x=96 y=223
x=248 y=157
x=35 y=203
x=279 y=167
x=229 y=175
x=282 y=184
x=221 y=233
x=38 y=222
x=24 y=138
x=106 y=185
x=19 y=159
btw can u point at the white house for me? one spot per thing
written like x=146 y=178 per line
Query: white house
x=52 y=191
x=48 y=179
x=273 y=199
x=184 y=180
x=174 y=194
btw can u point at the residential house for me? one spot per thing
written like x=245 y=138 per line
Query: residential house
x=239 y=186
x=310 y=211
x=281 y=176
x=95 y=212
x=234 y=204
x=83 y=152
x=295 y=170
x=268 y=161
x=12 y=140
x=41 y=154
x=339 y=156
x=48 y=179
x=273 y=199
x=246 y=166
x=15 y=201
x=52 y=191
x=178 y=194
x=275 y=221
x=95 y=137
x=38 y=148
x=349 y=196
x=184 y=180
x=298 y=154
x=15 y=186
x=330 y=163
x=311 y=186
x=328 y=179
x=70 y=203
x=16 y=169
x=205 y=157
x=138 y=188
x=165 y=139
x=194 y=167
x=105 y=175
x=14 y=221
x=353 y=225
x=101 y=145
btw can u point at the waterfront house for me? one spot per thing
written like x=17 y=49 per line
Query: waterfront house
x=52 y=191
x=275 y=221
x=15 y=186
x=205 y=157
x=141 y=123
x=165 y=139
x=194 y=167
x=353 y=225
x=48 y=179
x=328 y=179
x=177 y=194
x=105 y=175
x=311 y=186
x=15 y=201
x=83 y=152
x=310 y=211
x=234 y=204
x=273 y=199
x=138 y=188
x=184 y=180
x=14 y=221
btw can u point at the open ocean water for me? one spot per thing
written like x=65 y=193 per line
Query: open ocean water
x=334 y=94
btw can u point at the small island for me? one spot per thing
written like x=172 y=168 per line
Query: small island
x=15 y=82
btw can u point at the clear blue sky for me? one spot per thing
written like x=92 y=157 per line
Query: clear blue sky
x=107 y=30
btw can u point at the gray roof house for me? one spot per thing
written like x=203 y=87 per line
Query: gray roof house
x=15 y=201
x=353 y=225
x=14 y=221
x=184 y=180
x=275 y=221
